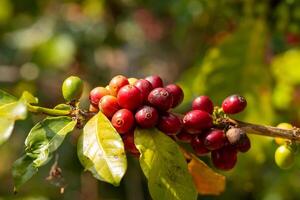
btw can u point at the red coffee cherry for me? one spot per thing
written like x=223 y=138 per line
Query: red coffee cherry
x=117 y=83
x=155 y=81
x=96 y=94
x=177 y=94
x=198 y=146
x=215 y=139
x=203 y=103
x=161 y=99
x=108 y=105
x=128 y=140
x=129 y=97
x=184 y=136
x=197 y=120
x=123 y=121
x=224 y=158
x=169 y=123
x=145 y=88
x=244 y=144
x=146 y=117
x=234 y=104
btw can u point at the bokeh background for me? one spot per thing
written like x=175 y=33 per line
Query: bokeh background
x=213 y=47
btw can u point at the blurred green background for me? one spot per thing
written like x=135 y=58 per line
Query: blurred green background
x=213 y=47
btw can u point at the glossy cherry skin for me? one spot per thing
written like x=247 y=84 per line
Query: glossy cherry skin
x=224 y=158
x=123 y=121
x=108 y=105
x=161 y=99
x=244 y=144
x=146 y=117
x=129 y=97
x=234 y=104
x=284 y=157
x=197 y=144
x=72 y=88
x=145 y=88
x=155 y=81
x=215 y=139
x=117 y=83
x=197 y=120
x=177 y=94
x=203 y=103
x=169 y=123
x=96 y=94
x=184 y=136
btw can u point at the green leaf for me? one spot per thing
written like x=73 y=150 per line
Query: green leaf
x=6 y=98
x=46 y=136
x=23 y=169
x=164 y=166
x=104 y=148
x=29 y=98
x=6 y=128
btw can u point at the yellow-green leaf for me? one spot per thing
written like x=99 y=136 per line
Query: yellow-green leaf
x=104 y=148
x=6 y=98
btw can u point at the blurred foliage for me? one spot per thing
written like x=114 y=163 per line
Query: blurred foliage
x=211 y=47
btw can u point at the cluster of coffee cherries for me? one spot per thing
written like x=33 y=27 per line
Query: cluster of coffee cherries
x=147 y=103
x=285 y=153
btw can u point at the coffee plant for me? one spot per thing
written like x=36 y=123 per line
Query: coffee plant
x=136 y=116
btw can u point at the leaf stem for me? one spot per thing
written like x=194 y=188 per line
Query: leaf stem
x=48 y=111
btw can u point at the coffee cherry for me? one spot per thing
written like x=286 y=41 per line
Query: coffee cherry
x=145 y=88
x=177 y=94
x=198 y=146
x=286 y=126
x=224 y=158
x=129 y=97
x=184 y=136
x=146 y=117
x=123 y=120
x=132 y=81
x=72 y=88
x=234 y=104
x=215 y=139
x=93 y=108
x=284 y=157
x=197 y=120
x=96 y=94
x=155 y=81
x=244 y=144
x=235 y=135
x=128 y=140
x=203 y=103
x=161 y=99
x=117 y=83
x=169 y=123
x=108 y=105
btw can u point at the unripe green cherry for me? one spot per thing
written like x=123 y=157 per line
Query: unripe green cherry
x=72 y=88
x=284 y=157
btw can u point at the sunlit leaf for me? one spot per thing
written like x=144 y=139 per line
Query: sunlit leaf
x=29 y=98
x=104 y=148
x=6 y=98
x=164 y=166
x=6 y=128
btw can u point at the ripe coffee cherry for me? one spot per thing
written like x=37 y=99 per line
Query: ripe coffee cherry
x=203 y=103
x=161 y=99
x=234 y=104
x=286 y=126
x=224 y=158
x=96 y=94
x=117 y=83
x=108 y=105
x=72 y=88
x=128 y=140
x=235 y=135
x=196 y=120
x=129 y=97
x=198 y=146
x=177 y=94
x=132 y=81
x=145 y=88
x=155 y=81
x=146 y=117
x=123 y=121
x=244 y=144
x=215 y=139
x=169 y=123
x=284 y=157
x=184 y=136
